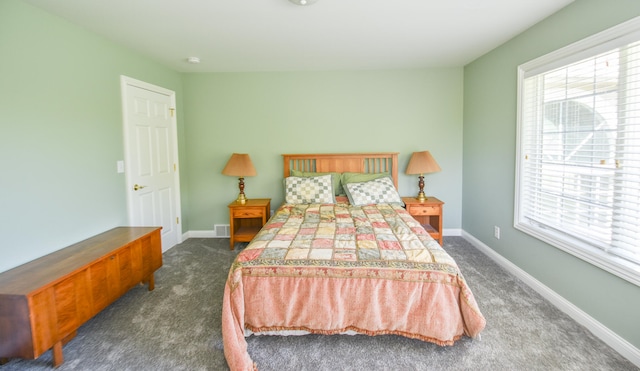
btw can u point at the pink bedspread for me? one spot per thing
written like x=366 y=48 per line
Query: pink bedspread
x=328 y=269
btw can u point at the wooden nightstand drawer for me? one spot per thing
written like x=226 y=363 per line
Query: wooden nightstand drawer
x=248 y=213
x=424 y=210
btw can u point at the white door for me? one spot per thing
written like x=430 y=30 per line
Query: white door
x=151 y=158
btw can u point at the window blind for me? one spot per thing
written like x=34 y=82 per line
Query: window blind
x=579 y=149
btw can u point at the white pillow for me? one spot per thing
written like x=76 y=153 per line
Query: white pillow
x=309 y=190
x=375 y=191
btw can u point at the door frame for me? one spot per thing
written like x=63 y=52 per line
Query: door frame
x=125 y=82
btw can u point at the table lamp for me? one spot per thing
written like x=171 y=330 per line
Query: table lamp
x=240 y=165
x=422 y=163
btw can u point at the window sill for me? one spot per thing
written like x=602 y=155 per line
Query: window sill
x=617 y=266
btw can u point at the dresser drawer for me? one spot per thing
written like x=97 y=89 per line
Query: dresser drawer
x=424 y=210
x=248 y=213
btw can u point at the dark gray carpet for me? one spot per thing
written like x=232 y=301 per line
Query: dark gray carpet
x=177 y=327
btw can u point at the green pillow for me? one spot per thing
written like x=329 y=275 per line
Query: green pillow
x=335 y=179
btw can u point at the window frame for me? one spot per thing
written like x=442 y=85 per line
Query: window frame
x=589 y=47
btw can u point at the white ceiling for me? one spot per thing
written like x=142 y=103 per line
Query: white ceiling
x=276 y=35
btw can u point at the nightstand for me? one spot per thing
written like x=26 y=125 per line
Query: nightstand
x=245 y=220
x=428 y=213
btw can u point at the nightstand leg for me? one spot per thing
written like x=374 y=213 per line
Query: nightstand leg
x=231 y=232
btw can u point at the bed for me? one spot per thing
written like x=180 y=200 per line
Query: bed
x=342 y=256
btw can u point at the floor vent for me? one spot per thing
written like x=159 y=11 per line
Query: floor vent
x=222 y=230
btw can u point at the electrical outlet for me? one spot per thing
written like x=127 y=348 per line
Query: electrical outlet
x=496 y=231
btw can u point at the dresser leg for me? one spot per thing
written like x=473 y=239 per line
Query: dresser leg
x=69 y=337
x=3 y=360
x=152 y=282
x=58 y=358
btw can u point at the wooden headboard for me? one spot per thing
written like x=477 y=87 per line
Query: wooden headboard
x=377 y=162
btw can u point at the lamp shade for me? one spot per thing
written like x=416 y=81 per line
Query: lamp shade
x=239 y=165
x=422 y=163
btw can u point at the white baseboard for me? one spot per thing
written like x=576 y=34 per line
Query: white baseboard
x=612 y=339
x=452 y=232
x=199 y=234
x=218 y=231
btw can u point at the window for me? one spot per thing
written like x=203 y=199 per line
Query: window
x=578 y=166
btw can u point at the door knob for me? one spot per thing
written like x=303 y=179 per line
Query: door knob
x=137 y=187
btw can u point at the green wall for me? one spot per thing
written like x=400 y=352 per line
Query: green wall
x=269 y=114
x=61 y=131
x=489 y=166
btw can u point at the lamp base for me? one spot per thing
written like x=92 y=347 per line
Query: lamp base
x=421 y=197
x=241 y=199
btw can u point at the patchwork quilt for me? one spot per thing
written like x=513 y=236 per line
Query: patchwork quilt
x=339 y=268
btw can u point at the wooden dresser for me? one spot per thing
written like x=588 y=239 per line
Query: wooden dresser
x=43 y=302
